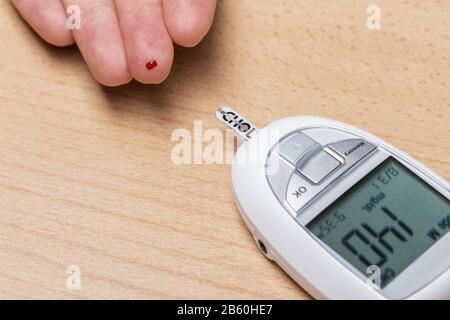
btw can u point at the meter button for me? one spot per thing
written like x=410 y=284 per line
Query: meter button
x=296 y=146
x=319 y=166
x=299 y=192
x=352 y=150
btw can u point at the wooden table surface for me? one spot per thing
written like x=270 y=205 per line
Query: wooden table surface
x=86 y=176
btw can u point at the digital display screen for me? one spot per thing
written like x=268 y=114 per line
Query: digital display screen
x=387 y=219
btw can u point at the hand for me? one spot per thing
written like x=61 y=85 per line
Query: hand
x=123 y=39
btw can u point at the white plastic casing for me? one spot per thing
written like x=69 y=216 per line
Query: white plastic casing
x=294 y=248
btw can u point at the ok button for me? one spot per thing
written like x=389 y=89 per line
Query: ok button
x=319 y=166
x=299 y=192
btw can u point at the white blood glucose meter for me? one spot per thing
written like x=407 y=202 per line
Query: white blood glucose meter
x=337 y=207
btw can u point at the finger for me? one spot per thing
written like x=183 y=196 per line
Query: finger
x=100 y=41
x=47 y=18
x=188 y=21
x=148 y=44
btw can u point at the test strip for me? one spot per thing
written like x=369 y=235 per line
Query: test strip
x=236 y=122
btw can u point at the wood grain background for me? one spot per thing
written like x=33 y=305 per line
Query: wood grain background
x=85 y=171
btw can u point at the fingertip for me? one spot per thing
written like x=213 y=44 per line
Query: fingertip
x=109 y=70
x=186 y=37
x=53 y=28
x=48 y=19
x=188 y=22
x=148 y=45
x=187 y=33
x=101 y=44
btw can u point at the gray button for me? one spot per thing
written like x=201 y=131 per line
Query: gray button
x=317 y=167
x=352 y=150
x=295 y=146
x=300 y=191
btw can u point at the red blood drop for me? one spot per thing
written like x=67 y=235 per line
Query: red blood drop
x=151 y=64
